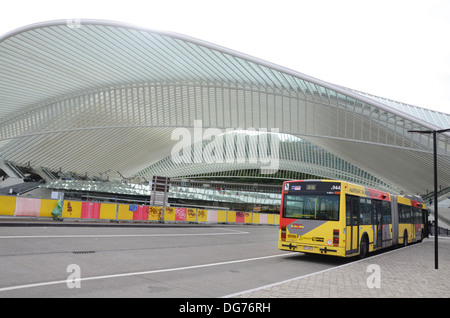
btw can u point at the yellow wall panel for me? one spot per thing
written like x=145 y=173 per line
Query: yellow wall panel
x=72 y=209
x=47 y=207
x=276 y=219
x=221 y=216
x=191 y=215
x=231 y=217
x=202 y=215
x=256 y=218
x=155 y=213
x=169 y=214
x=124 y=212
x=7 y=205
x=108 y=211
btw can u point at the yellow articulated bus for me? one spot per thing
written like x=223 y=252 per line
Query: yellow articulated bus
x=343 y=219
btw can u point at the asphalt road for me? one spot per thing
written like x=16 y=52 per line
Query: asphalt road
x=168 y=261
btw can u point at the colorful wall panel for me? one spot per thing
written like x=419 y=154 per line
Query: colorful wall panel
x=222 y=216
x=72 y=209
x=7 y=205
x=90 y=210
x=108 y=211
x=140 y=213
x=155 y=213
x=23 y=206
x=240 y=217
x=262 y=218
x=124 y=212
x=28 y=207
x=47 y=207
x=276 y=219
x=202 y=215
x=169 y=214
x=230 y=216
x=211 y=215
x=191 y=215
x=180 y=214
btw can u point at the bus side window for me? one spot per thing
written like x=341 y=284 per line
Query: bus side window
x=404 y=213
x=386 y=211
x=366 y=211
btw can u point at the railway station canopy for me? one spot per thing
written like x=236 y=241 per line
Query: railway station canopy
x=101 y=100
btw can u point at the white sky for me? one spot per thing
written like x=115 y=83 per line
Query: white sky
x=398 y=49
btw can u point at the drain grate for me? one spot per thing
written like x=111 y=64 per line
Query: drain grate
x=83 y=252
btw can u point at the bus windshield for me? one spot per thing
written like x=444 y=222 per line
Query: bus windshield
x=315 y=207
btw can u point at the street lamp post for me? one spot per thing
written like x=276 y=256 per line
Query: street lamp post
x=436 y=229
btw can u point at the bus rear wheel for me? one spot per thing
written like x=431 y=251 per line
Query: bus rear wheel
x=364 y=247
x=405 y=238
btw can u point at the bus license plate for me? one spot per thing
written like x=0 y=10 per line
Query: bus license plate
x=308 y=248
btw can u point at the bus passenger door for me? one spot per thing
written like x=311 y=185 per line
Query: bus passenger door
x=415 y=217
x=394 y=217
x=352 y=228
x=378 y=225
x=386 y=221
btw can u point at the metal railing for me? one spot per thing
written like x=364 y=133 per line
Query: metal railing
x=441 y=231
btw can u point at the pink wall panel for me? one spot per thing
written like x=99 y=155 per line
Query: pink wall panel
x=180 y=214
x=141 y=213
x=240 y=217
x=90 y=210
x=211 y=216
x=28 y=207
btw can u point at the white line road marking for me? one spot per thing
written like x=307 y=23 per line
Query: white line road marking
x=232 y=232
x=145 y=272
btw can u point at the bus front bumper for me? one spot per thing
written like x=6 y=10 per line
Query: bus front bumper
x=309 y=248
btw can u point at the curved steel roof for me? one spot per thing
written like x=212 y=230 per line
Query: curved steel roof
x=98 y=97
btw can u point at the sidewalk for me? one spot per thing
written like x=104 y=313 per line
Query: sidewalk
x=404 y=272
